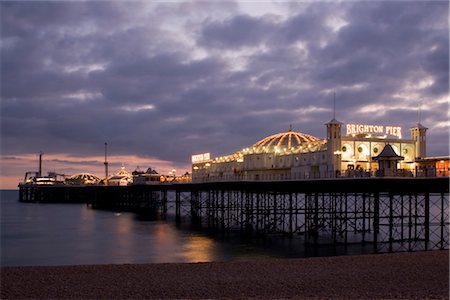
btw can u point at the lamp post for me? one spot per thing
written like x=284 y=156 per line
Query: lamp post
x=337 y=165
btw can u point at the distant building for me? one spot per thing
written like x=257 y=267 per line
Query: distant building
x=433 y=166
x=294 y=155
x=82 y=179
x=120 y=178
x=185 y=178
x=148 y=177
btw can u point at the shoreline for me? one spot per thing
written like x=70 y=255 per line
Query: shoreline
x=407 y=275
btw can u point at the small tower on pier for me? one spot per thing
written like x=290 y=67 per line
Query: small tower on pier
x=334 y=146
x=418 y=134
x=334 y=143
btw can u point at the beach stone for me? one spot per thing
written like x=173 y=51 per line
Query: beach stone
x=410 y=275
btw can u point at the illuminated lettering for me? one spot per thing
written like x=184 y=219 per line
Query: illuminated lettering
x=349 y=129
x=361 y=129
x=388 y=130
x=198 y=158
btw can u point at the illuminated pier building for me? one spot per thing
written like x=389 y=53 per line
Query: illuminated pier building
x=294 y=155
x=82 y=179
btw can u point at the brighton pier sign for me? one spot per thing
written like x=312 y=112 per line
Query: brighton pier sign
x=376 y=129
x=198 y=158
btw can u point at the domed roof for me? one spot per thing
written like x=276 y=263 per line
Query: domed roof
x=83 y=178
x=122 y=174
x=287 y=140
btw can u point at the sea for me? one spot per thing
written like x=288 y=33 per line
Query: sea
x=36 y=234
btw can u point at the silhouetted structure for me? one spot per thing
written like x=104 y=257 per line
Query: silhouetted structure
x=394 y=214
x=387 y=162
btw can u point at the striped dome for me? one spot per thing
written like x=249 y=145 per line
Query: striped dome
x=82 y=178
x=290 y=139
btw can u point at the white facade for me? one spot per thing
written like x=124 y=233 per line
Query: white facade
x=121 y=178
x=292 y=156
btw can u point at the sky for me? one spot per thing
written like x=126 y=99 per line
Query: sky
x=161 y=81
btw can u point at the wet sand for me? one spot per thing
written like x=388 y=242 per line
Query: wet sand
x=415 y=275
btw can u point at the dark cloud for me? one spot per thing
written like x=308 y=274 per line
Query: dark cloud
x=10 y=158
x=171 y=79
x=308 y=26
x=82 y=162
x=236 y=32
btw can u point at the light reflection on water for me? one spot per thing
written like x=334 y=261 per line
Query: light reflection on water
x=70 y=234
x=199 y=249
x=73 y=234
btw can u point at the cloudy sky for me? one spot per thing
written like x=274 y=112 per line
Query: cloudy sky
x=161 y=81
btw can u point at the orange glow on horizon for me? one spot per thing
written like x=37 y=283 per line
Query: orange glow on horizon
x=13 y=167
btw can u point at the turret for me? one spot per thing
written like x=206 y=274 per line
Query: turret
x=418 y=134
x=334 y=146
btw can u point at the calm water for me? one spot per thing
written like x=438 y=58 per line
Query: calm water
x=72 y=234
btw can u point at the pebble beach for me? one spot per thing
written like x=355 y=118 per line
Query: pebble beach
x=416 y=275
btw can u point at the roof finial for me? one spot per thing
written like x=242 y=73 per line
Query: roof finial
x=290 y=127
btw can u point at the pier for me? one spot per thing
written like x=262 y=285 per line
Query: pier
x=392 y=214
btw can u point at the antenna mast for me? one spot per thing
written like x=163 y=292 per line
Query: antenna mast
x=334 y=105
x=418 y=113
x=106 y=160
x=40 y=164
